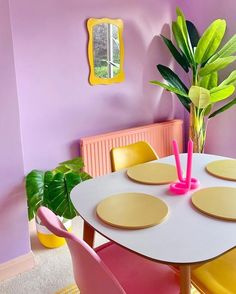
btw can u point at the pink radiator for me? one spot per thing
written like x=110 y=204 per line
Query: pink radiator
x=95 y=150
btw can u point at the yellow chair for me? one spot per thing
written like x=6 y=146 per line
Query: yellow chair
x=132 y=154
x=217 y=276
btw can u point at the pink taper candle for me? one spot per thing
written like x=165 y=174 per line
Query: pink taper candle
x=189 y=163
x=177 y=161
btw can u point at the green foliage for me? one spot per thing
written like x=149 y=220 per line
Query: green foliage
x=209 y=81
x=198 y=55
x=180 y=58
x=52 y=188
x=216 y=65
x=199 y=96
x=210 y=41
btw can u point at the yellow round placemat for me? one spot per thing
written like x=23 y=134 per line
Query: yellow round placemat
x=132 y=210
x=153 y=173
x=224 y=169
x=219 y=202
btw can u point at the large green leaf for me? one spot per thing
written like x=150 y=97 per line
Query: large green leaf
x=169 y=88
x=222 y=109
x=75 y=164
x=199 y=96
x=181 y=41
x=193 y=33
x=183 y=97
x=181 y=59
x=210 y=41
x=221 y=92
x=172 y=78
x=230 y=80
x=228 y=49
x=37 y=183
x=181 y=21
x=216 y=65
x=59 y=194
x=209 y=81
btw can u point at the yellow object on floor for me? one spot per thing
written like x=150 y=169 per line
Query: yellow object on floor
x=73 y=289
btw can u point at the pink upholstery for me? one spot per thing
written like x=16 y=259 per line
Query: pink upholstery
x=112 y=269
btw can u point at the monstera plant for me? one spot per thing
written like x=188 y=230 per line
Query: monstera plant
x=52 y=188
x=201 y=59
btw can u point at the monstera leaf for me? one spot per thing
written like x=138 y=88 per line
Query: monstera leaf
x=59 y=194
x=37 y=183
x=52 y=188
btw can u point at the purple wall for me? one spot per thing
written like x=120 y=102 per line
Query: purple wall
x=57 y=104
x=13 y=218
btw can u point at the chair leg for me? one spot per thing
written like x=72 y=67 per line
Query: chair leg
x=185 y=279
x=88 y=235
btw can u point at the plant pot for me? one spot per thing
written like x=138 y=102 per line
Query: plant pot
x=47 y=238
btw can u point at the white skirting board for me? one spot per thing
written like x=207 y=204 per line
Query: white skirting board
x=16 y=266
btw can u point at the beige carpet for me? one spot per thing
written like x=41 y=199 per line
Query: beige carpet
x=53 y=270
x=73 y=289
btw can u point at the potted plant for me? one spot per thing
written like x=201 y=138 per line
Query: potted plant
x=52 y=189
x=200 y=58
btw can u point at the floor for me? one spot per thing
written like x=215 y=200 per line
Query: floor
x=53 y=270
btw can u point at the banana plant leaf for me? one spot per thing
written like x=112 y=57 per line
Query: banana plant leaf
x=59 y=194
x=209 y=81
x=210 y=41
x=172 y=78
x=221 y=93
x=37 y=183
x=207 y=110
x=222 y=109
x=227 y=50
x=181 y=41
x=199 y=96
x=181 y=21
x=177 y=85
x=216 y=65
x=180 y=58
x=230 y=80
x=193 y=33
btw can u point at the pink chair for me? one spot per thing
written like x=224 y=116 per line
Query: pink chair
x=111 y=268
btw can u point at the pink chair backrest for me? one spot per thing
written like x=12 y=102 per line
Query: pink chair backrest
x=90 y=273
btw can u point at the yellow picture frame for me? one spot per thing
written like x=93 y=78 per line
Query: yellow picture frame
x=93 y=79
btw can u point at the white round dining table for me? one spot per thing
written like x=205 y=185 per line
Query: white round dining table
x=187 y=236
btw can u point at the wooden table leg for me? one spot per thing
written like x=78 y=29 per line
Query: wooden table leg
x=88 y=234
x=185 y=279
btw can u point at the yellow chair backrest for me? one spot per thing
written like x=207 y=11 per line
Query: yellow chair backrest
x=132 y=154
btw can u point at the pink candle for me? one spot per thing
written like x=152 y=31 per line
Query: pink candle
x=189 y=163
x=177 y=161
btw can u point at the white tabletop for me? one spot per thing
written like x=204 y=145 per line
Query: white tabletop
x=187 y=236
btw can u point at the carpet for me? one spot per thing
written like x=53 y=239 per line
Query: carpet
x=73 y=289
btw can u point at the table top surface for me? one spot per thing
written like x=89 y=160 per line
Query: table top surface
x=186 y=237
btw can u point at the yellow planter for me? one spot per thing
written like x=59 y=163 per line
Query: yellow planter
x=46 y=237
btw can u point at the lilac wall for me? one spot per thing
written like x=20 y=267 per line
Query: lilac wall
x=57 y=104
x=13 y=218
x=220 y=135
